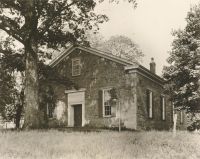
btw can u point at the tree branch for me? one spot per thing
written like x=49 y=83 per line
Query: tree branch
x=10 y=4
x=46 y=24
x=12 y=33
x=11 y=27
x=5 y=51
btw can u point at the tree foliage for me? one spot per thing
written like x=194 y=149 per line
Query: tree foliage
x=11 y=95
x=183 y=74
x=6 y=88
x=53 y=22
x=35 y=23
x=12 y=82
x=12 y=90
x=118 y=45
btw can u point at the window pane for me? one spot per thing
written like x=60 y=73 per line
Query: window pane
x=107 y=110
x=76 y=67
x=76 y=62
x=107 y=105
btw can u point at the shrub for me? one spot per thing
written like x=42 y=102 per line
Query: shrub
x=194 y=126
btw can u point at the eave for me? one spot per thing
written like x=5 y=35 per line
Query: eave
x=146 y=73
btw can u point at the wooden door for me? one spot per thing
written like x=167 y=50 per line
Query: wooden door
x=78 y=115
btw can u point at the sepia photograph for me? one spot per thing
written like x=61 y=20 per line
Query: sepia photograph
x=99 y=79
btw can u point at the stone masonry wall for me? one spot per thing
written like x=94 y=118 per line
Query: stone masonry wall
x=143 y=121
x=59 y=118
x=184 y=123
x=98 y=73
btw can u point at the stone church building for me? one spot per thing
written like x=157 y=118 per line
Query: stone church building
x=107 y=89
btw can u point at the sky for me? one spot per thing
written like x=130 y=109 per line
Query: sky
x=149 y=25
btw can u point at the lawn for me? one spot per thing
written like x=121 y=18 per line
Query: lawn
x=54 y=144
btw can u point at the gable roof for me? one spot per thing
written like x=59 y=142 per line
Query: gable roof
x=129 y=66
x=103 y=54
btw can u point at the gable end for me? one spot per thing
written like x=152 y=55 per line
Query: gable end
x=105 y=55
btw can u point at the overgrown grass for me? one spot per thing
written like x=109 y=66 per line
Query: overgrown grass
x=55 y=144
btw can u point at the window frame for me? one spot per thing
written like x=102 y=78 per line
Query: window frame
x=103 y=104
x=77 y=65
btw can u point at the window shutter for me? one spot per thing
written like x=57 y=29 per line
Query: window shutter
x=100 y=103
x=165 y=108
x=153 y=105
x=147 y=101
x=113 y=109
x=181 y=117
x=161 y=108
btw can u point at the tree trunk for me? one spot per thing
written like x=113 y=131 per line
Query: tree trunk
x=18 y=115
x=32 y=114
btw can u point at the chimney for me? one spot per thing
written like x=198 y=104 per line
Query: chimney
x=152 y=66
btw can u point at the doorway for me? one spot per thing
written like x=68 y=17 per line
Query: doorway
x=77 y=115
x=76 y=108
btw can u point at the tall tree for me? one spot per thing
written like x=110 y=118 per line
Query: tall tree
x=11 y=86
x=183 y=73
x=118 y=45
x=39 y=22
x=35 y=23
x=6 y=89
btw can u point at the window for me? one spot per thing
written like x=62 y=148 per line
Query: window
x=163 y=108
x=150 y=103
x=76 y=66
x=106 y=103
